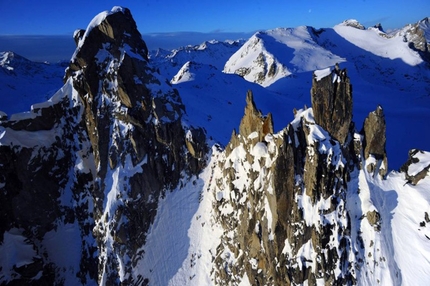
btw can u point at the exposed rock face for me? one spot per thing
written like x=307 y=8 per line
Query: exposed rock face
x=332 y=103
x=287 y=201
x=379 y=27
x=374 y=141
x=415 y=36
x=255 y=64
x=416 y=168
x=353 y=23
x=44 y=189
x=253 y=125
x=95 y=159
x=273 y=180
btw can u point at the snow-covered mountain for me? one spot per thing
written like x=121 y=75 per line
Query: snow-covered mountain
x=122 y=176
x=213 y=53
x=82 y=173
x=387 y=70
x=23 y=82
x=271 y=55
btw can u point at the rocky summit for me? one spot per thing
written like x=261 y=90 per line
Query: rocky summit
x=108 y=182
x=92 y=162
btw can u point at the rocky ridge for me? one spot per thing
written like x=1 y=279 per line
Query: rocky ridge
x=273 y=185
x=104 y=149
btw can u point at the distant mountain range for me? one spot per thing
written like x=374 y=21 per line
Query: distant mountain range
x=297 y=157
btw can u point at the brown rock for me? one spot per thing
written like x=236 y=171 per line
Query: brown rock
x=332 y=103
x=414 y=178
x=374 y=139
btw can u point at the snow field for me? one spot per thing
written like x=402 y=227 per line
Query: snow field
x=182 y=241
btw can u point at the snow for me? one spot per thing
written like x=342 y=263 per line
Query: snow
x=27 y=139
x=215 y=100
x=423 y=158
x=289 y=51
x=253 y=135
x=184 y=258
x=182 y=241
x=96 y=21
x=319 y=74
x=402 y=243
x=16 y=252
x=189 y=136
x=373 y=42
x=259 y=150
x=23 y=82
x=64 y=247
x=184 y=74
x=212 y=53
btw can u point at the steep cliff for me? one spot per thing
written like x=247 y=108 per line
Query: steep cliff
x=297 y=207
x=92 y=162
x=287 y=195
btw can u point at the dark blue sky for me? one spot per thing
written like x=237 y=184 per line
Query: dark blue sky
x=48 y=17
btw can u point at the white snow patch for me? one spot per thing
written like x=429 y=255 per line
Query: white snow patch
x=64 y=248
x=259 y=150
x=253 y=135
x=423 y=162
x=319 y=74
x=15 y=252
x=182 y=241
x=254 y=263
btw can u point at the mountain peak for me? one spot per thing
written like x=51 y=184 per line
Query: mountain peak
x=117 y=128
x=9 y=60
x=353 y=23
x=108 y=30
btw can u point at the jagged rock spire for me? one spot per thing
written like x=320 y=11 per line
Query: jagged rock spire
x=253 y=120
x=331 y=98
x=374 y=129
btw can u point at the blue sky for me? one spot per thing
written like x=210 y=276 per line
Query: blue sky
x=160 y=21
x=48 y=17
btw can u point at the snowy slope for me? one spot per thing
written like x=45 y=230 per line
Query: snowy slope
x=23 y=82
x=215 y=100
x=213 y=53
x=274 y=54
x=375 y=42
x=386 y=72
x=393 y=251
x=184 y=258
x=383 y=69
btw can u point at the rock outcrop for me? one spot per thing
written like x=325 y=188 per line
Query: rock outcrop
x=416 y=167
x=93 y=161
x=82 y=176
x=353 y=23
x=332 y=103
x=274 y=180
x=374 y=139
x=286 y=200
x=415 y=36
